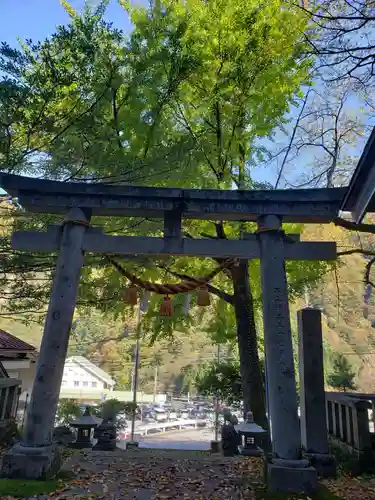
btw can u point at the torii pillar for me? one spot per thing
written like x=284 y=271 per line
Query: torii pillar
x=36 y=457
x=287 y=471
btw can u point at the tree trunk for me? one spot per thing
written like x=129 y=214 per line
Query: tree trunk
x=252 y=377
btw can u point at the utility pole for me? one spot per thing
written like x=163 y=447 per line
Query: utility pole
x=142 y=307
x=135 y=377
x=217 y=401
x=155 y=382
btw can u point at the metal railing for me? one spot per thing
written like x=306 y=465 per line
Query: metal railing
x=152 y=428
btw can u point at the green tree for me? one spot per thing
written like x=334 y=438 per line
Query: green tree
x=67 y=411
x=343 y=375
x=181 y=102
x=221 y=380
x=237 y=50
x=111 y=408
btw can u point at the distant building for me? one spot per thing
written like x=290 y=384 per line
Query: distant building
x=84 y=381
x=18 y=359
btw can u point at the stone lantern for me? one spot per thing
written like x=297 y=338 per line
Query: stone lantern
x=252 y=434
x=105 y=433
x=84 y=426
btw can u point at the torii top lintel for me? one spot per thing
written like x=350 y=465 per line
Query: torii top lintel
x=293 y=205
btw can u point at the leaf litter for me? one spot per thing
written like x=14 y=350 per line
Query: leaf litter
x=163 y=476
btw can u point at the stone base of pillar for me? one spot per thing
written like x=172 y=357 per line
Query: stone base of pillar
x=215 y=446
x=291 y=476
x=324 y=463
x=251 y=452
x=81 y=445
x=106 y=446
x=23 y=462
x=132 y=445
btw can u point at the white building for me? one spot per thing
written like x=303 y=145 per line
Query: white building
x=84 y=381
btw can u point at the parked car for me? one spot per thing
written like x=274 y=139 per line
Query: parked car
x=159 y=415
x=172 y=415
x=183 y=413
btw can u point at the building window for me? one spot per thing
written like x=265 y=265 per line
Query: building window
x=94 y=384
x=76 y=383
x=85 y=384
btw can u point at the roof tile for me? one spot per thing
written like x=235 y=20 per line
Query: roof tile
x=11 y=343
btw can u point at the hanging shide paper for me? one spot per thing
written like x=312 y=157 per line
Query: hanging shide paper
x=145 y=300
x=166 y=307
x=187 y=304
x=131 y=295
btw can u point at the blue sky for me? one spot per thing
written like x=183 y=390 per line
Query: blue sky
x=36 y=19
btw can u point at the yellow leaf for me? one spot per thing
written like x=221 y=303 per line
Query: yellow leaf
x=69 y=9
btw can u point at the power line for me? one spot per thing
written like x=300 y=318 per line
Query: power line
x=149 y=362
x=368 y=353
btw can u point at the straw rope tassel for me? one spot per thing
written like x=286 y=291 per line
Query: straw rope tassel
x=166 y=307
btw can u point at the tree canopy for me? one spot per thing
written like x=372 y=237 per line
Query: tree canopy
x=179 y=101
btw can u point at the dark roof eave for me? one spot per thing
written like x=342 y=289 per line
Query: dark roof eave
x=359 y=180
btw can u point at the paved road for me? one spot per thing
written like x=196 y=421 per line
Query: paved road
x=191 y=439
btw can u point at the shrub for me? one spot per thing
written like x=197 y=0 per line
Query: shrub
x=8 y=432
x=67 y=411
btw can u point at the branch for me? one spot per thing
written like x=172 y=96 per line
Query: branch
x=218 y=137
x=367 y=273
x=194 y=137
x=352 y=226
x=292 y=138
x=337 y=291
x=356 y=250
x=332 y=17
x=220 y=231
x=67 y=126
x=115 y=116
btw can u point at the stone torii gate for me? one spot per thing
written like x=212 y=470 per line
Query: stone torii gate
x=36 y=456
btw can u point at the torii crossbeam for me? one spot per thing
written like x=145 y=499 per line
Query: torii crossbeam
x=95 y=241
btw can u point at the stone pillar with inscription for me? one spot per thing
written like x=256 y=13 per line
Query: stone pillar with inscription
x=286 y=470
x=312 y=395
x=36 y=456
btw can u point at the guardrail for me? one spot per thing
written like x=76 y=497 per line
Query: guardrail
x=144 y=430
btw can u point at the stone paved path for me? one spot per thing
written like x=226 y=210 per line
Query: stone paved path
x=156 y=474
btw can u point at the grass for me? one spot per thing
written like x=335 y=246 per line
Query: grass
x=350 y=462
x=322 y=493
x=28 y=488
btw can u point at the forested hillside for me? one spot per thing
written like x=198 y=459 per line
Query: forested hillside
x=347 y=304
